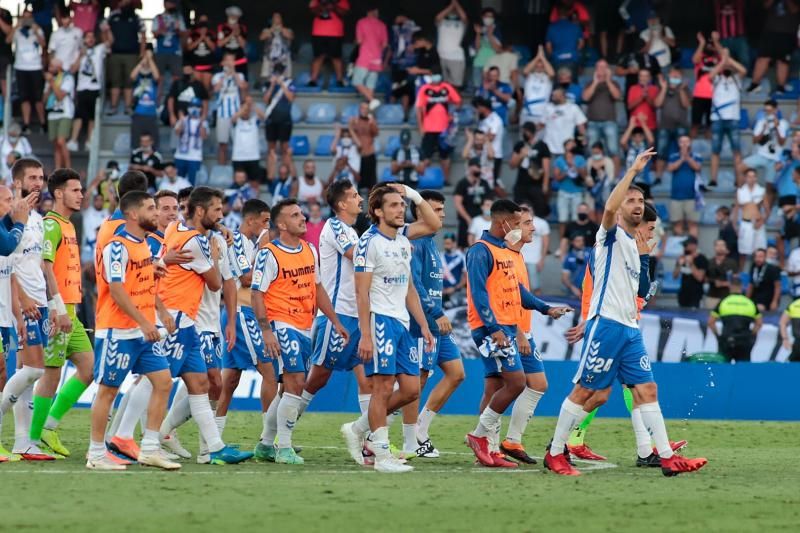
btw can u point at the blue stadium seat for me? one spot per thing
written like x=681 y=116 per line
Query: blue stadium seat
x=709 y=214
x=392 y=145
x=200 y=178
x=524 y=52
x=744 y=119
x=221 y=176
x=785 y=284
x=300 y=145
x=384 y=84
x=297 y=113
x=466 y=116
x=349 y=111
x=122 y=144
x=387 y=175
x=686 y=58
x=301 y=83
x=669 y=283
x=389 y=114
x=321 y=113
x=792 y=90
x=432 y=178
x=663 y=212
x=590 y=56
x=324 y=143
x=744 y=277
x=703 y=148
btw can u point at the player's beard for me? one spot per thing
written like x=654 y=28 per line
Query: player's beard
x=148 y=225
x=209 y=224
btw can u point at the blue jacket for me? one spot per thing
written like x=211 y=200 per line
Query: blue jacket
x=10 y=235
x=427 y=274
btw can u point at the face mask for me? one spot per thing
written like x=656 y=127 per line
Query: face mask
x=436 y=78
x=487 y=212
x=772 y=261
x=13 y=140
x=232 y=20
x=583 y=217
x=675 y=81
x=488 y=21
x=453 y=16
x=727 y=72
x=597 y=157
x=513 y=236
x=346 y=142
x=187 y=78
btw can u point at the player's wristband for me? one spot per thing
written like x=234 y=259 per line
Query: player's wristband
x=57 y=305
x=413 y=195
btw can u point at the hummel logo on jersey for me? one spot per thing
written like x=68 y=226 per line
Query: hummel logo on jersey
x=631 y=272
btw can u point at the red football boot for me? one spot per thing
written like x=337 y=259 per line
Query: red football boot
x=677 y=465
x=501 y=461
x=480 y=446
x=560 y=465
x=675 y=445
x=583 y=451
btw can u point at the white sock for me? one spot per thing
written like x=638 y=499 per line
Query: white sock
x=643 y=446
x=287 y=418
x=486 y=423
x=305 y=399
x=380 y=443
x=221 y=421
x=21 y=380
x=150 y=442
x=179 y=414
x=115 y=416
x=424 y=424
x=204 y=418
x=23 y=413
x=410 y=437
x=362 y=424
x=270 y=419
x=654 y=422
x=571 y=415
x=97 y=450
x=521 y=413
x=363 y=402
x=138 y=400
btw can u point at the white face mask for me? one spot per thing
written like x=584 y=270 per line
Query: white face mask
x=513 y=236
x=488 y=21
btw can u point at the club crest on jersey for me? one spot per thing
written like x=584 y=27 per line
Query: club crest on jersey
x=257 y=275
x=116 y=267
x=342 y=238
x=360 y=261
x=242 y=261
x=48 y=247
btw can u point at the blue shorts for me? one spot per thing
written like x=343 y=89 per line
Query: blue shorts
x=532 y=364
x=182 y=350
x=445 y=350
x=612 y=350
x=330 y=351
x=493 y=366
x=211 y=349
x=9 y=340
x=115 y=358
x=295 y=350
x=249 y=347
x=37 y=331
x=395 y=351
x=725 y=128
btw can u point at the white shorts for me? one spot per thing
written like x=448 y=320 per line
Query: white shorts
x=224 y=128
x=750 y=238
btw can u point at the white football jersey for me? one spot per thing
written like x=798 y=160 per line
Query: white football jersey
x=389 y=261
x=208 y=316
x=336 y=270
x=241 y=256
x=538 y=87
x=27 y=260
x=6 y=315
x=615 y=277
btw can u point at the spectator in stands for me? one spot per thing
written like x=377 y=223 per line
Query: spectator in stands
x=426 y=61
x=59 y=95
x=741 y=321
x=691 y=267
x=146 y=159
x=451 y=24
x=480 y=223
x=581 y=224
x=609 y=28
x=531 y=158
x=569 y=171
x=145 y=76
x=564 y=41
x=6 y=53
x=246 y=151
x=488 y=41
x=725 y=104
x=85 y=13
x=673 y=101
x=454 y=266
x=407 y=163
x=573 y=268
x=192 y=130
x=402 y=57
x=468 y=198
x=637 y=138
x=658 y=40
x=229 y=86
x=793 y=272
x=280 y=184
x=573 y=10
x=633 y=61
x=537 y=88
x=90 y=82
x=169 y=29
x=93 y=213
x=601 y=96
x=327 y=34
x=314 y=224
x=641 y=99
x=721 y=270
x=705 y=58
x=769 y=135
x=346 y=159
x=787 y=191
x=777 y=43
x=372 y=39
x=277 y=40
x=232 y=37
x=684 y=165
x=498 y=94
x=127 y=47
x=765 y=282
x=433 y=118
x=65 y=42
x=308 y=188
x=364 y=130
x=601 y=172
x=29 y=42
x=200 y=48
x=751 y=205
x=494 y=128
x=13 y=143
x=727 y=231
x=561 y=118
x=278 y=96
x=729 y=18
x=171 y=181
x=535 y=252
x=507 y=63
x=183 y=93
x=565 y=81
x=478 y=147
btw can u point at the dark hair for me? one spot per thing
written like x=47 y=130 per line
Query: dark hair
x=132 y=200
x=635 y=188
x=336 y=192
x=23 y=164
x=486 y=10
x=185 y=193
x=479 y=101
x=275 y=212
x=202 y=197
x=650 y=213
x=760 y=250
x=599 y=144
x=493 y=67
x=375 y=200
x=726 y=211
x=168 y=164
x=505 y=207
x=638 y=130
x=165 y=194
x=59 y=178
x=132 y=180
x=771 y=102
x=429 y=196
x=254 y=206
x=529 y=126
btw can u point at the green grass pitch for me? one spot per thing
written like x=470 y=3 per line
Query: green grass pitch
x=752 y=483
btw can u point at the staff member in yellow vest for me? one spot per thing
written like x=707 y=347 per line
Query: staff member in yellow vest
x=791 y=316
x=741 y=321
x=286 y=292
x=62 y=269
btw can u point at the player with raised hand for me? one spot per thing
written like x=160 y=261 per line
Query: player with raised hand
x=613 y=347
x=181 y=291
x=126 y=332
x=69 y=340
x=383 y=280
x=286 y=292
